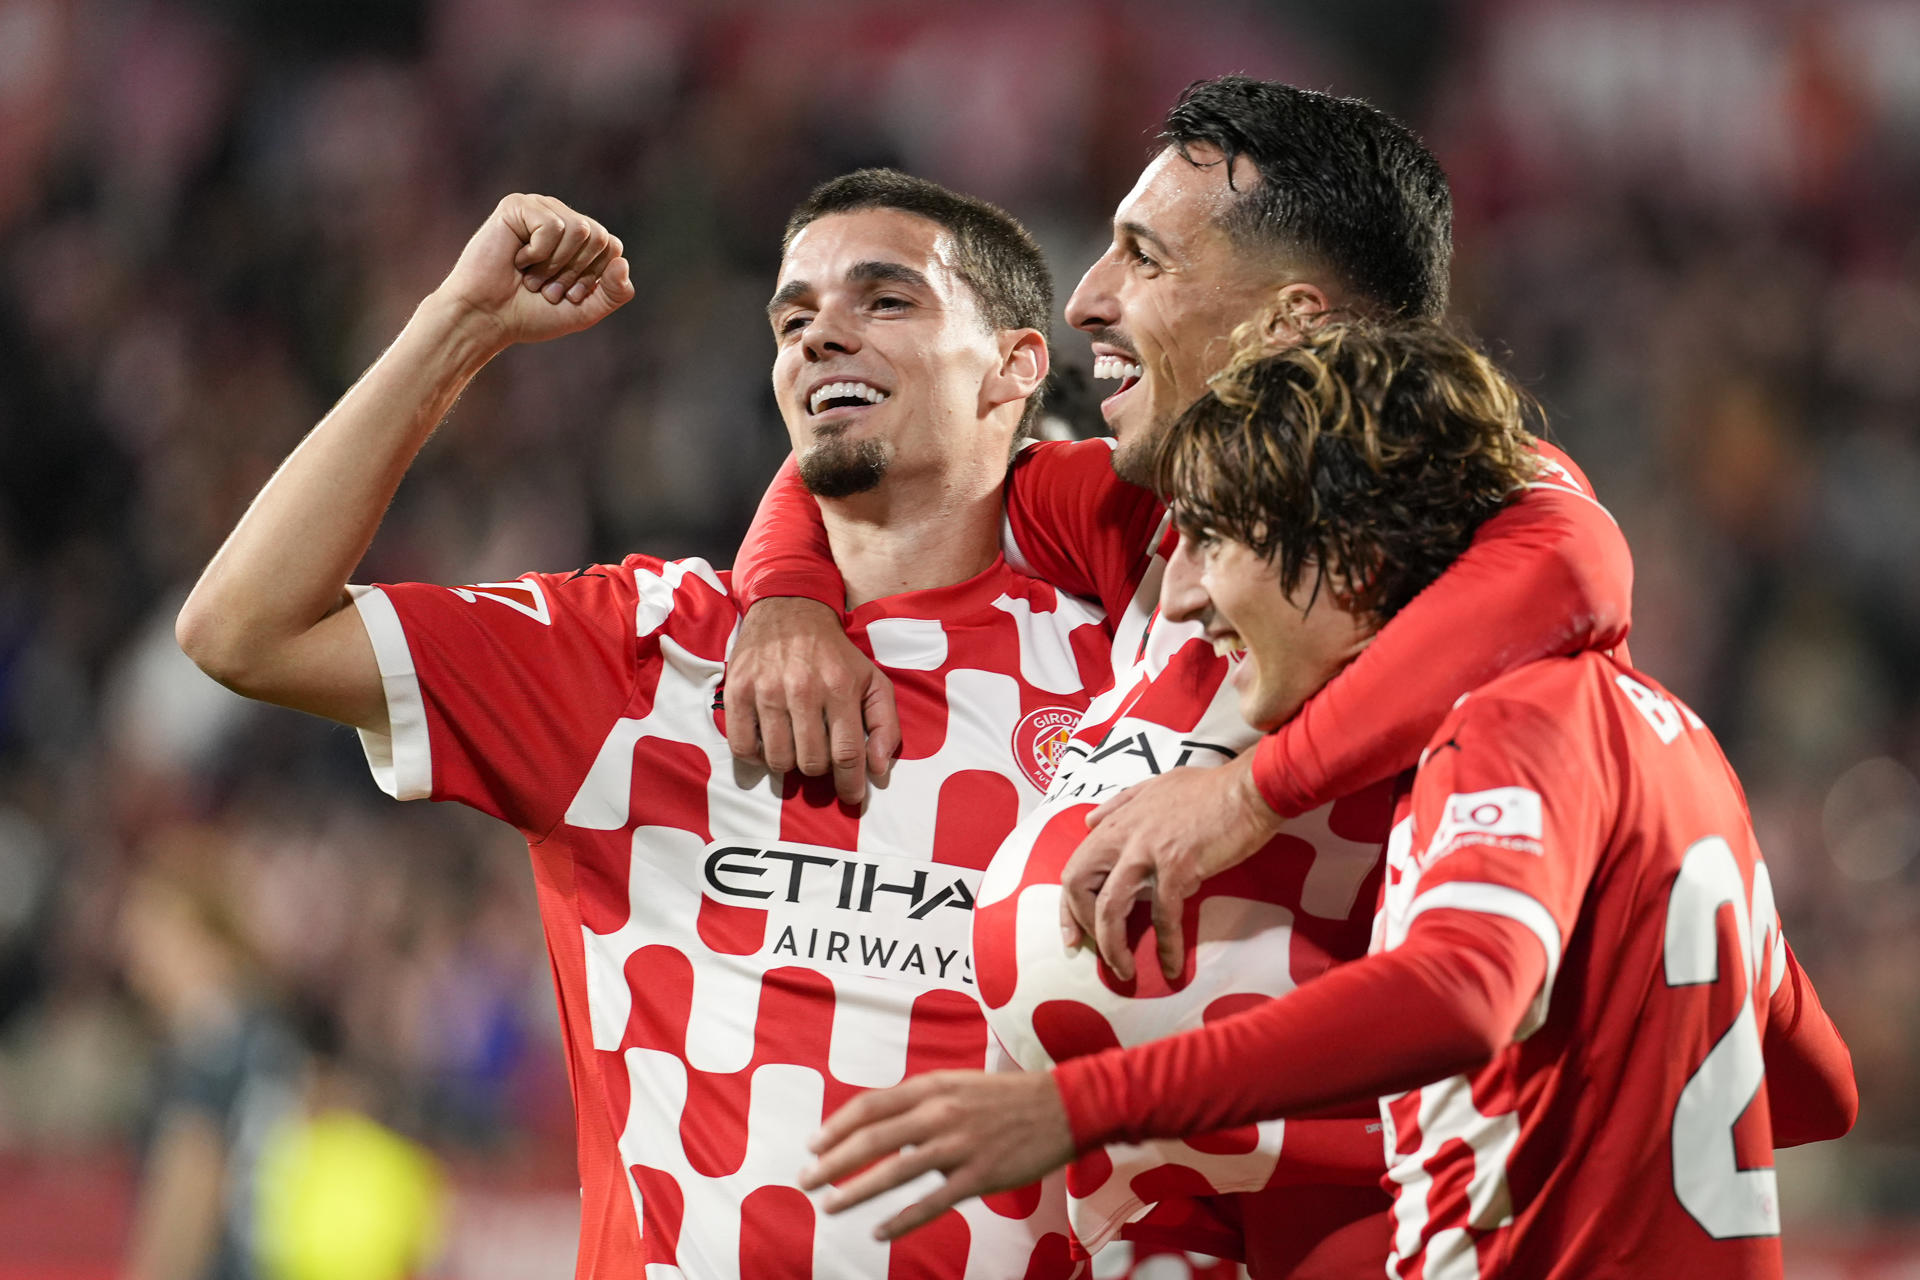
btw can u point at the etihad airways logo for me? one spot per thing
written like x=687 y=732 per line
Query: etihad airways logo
x=876 y=914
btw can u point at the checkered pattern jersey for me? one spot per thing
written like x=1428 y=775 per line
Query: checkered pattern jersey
x=737 y=954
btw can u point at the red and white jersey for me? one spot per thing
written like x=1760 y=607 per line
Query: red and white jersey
x=737 y=954
x=1547 y=575
x=1283 y=917
x=1625 y=1132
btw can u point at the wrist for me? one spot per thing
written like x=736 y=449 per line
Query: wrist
x=1260 y=816
x=458 y=331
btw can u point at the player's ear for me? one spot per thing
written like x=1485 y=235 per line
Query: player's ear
x=1024 y=362
x=1298 y=306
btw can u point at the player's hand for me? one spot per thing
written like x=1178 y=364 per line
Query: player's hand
x=537 y=269
x=1165 y=835
x=987 y=1131
x=799 y=695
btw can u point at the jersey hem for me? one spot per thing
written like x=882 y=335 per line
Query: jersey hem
x=401 y=759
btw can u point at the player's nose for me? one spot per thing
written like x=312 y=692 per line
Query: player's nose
x=1183 y=596
x=830 y=333
x=1093 y=305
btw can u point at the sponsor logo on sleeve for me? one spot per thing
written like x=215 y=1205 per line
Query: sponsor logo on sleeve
x=884 y=916
x=1505 y=818
x=1038 y=741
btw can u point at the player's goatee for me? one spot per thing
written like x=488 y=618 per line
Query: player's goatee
x=840 y=468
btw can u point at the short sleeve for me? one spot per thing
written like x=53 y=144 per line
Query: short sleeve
x=1509 y=818
x=499 y=694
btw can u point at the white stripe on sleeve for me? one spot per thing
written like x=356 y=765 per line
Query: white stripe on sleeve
x=1500 y=900
x=400 y=759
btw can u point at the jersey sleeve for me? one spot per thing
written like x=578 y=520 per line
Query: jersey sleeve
x=1322 y=1044
x=1075 y=524
x=1510 y=815
x=1811 y=1091
x=1551 y=574
x=785 y=552
x=500 y=694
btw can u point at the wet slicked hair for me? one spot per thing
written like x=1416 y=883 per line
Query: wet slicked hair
x=1365 y=456
x=1342 y=184
x=993 y=253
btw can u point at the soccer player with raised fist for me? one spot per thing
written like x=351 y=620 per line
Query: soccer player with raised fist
x=736 y=952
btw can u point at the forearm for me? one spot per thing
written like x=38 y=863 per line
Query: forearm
x=285 y=566
x=1454 y=996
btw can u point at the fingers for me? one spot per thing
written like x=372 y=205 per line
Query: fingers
x=1077 y=896
x=866 y=1126
x=1110 y=911
x=882 y=720
x=1080 y=882
x=776 y=735
x=847 y=746
x=1168 y=903
x=921 y=1212
x=564 y=253
x=743 y=725
x=810 y=751
x=1106 y=808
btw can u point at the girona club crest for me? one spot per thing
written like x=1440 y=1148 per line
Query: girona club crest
x=1038 y=741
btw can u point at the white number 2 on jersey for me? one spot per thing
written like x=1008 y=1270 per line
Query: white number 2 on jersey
x=1726 y=1200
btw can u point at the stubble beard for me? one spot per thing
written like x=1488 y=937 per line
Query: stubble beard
x=835 y=467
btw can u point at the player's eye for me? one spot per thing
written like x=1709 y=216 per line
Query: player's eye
x=794 y=323
x=891 y=302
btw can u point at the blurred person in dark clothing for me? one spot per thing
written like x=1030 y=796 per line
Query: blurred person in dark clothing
x=231 y=1067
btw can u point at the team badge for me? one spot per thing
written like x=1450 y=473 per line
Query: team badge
x=1039 y=739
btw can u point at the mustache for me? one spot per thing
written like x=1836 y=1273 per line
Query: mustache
x=1115 y=338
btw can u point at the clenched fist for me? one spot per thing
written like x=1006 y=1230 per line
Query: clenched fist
x=538 y=270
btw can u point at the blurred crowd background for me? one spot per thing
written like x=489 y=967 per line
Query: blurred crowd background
x=1690 y=226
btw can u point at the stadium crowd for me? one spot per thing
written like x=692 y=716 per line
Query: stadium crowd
x=215 y=215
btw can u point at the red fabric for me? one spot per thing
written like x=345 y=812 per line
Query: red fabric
x=1549 y=575
x=785 y=552
x=1078 y=526
x=1810 y=1085
x=1450 y=988
x=736 y=955
x=1576 y=919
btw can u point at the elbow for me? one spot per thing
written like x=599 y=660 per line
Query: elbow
x=212 y=643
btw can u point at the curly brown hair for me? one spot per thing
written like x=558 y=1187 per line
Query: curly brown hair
x=1365 y=453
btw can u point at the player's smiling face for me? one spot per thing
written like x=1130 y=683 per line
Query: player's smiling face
x=1162 y=302
x=1285 y=647
x=883 y=353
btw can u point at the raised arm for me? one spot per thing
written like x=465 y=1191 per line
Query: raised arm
x=266 y=618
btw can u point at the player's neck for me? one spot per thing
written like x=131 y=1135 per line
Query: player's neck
x=914 y=537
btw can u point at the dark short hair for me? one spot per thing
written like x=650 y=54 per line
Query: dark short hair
x=993 y=253
x=1342 y=183
x=1367 y=455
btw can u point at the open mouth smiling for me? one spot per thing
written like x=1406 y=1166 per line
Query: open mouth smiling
x=1111 y=363
x=853 y=394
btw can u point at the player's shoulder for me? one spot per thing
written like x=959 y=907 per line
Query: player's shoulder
x=1548 y=702
x=1084 y=462
x=1558 y=471
x=642 y=592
